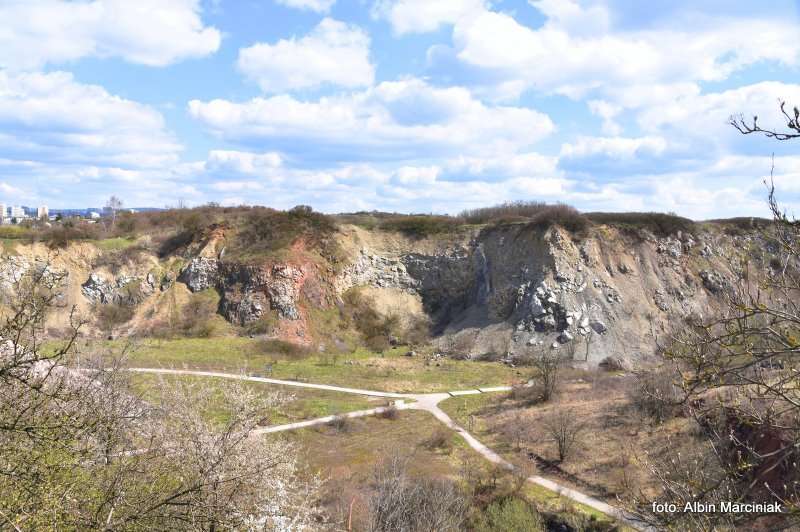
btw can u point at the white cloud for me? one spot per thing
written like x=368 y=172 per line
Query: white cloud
x=707 y=114
x=614 y=147
x=149 y=32
x=576 y=50
x=403 y=119
x=319 y=6
x=51 y=118
x=421 y=16
x=334 y=53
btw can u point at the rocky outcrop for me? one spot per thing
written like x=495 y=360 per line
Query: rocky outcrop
x=248 y=291
x=121 y=290
x=200 y=274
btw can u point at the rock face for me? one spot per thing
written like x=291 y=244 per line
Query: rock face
x=122 y=290
x=248 y=291
x=607 y=294
x=200 y=274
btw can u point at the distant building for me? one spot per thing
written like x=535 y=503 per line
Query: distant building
x=42 y=212
x=94 y=215
x=17 y=213
x=3 y=210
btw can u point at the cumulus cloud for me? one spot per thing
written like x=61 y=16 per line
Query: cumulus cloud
x=333 y=53
x=401 y=119
x=577 y=50
x=614 y=147
x=421 y=16
x=51 y=118
x=149 y=32
x=319 y=6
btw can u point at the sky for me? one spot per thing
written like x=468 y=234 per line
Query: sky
x=398 y=105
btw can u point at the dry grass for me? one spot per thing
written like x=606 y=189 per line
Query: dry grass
x=616 y=437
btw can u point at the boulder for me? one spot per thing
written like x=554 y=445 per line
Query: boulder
x=615 y=363
x=598 y=326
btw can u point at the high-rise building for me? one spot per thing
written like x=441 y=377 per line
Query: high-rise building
x=17 y=212
x=3 y=210
x=42 y=212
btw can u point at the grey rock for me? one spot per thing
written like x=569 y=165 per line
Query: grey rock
x=598 y=326
x=200 y=274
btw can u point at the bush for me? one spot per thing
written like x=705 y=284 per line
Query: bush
x=658 y=223
x=509 y=514
x=441 y=439
x=655 y=395
x=340 y=423
x=420 y=226
x=391 y=412
x=113 y=315
x=540 y=215
x=281 y=347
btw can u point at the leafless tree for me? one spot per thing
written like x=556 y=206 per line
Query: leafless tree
x=566 y=430
x=113 y=205
x=81 y=450
x=548 y=363
x=738 y=376
x=400 y=503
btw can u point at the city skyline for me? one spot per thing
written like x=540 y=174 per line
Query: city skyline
x=397 y=105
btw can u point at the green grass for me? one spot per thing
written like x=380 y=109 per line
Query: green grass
x=298 y=404
x=390 y=372
x=114 y=244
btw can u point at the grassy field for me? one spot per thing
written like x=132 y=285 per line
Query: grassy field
x=388 y=372
x=114 y=244
x=298 y=405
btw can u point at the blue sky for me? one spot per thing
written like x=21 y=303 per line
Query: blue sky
x=399 y=105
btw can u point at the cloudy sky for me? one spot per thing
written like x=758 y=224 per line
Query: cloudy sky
x=400 y=105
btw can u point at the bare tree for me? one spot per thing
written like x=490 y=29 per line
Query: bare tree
x=566 y=430
x=548 y=364
x=738 y=375
x=400 y=503
x=113 y=205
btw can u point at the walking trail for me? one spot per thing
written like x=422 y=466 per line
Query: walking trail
x=428 y=402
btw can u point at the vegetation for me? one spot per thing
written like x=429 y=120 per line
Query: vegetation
x=361 y=368
x=659 y=223
x=80 y=451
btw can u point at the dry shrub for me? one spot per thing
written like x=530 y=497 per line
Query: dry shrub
x=656 y=222
x=441 y=439
x=113 y=315
x=283 y=348
x=340 y=423
x=566 y=430
x=654 y=395
x=391 y=412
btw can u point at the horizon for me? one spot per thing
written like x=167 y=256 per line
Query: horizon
x=404 y=106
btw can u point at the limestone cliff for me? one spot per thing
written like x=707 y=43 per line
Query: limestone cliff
x=610 y=292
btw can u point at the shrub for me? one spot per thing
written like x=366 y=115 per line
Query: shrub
x=509 y=514
x=566 y=430
x=655 y=395
x=340 y=423
x=441 y=439
x=281 y=347
x=391 y=412
x=658 y=223
x=538 y=214
x=113 y=315
x=420 y=226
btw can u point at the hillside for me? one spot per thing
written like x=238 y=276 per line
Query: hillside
x=489 y=284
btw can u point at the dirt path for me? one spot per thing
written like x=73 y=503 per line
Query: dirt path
x=428 y=402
